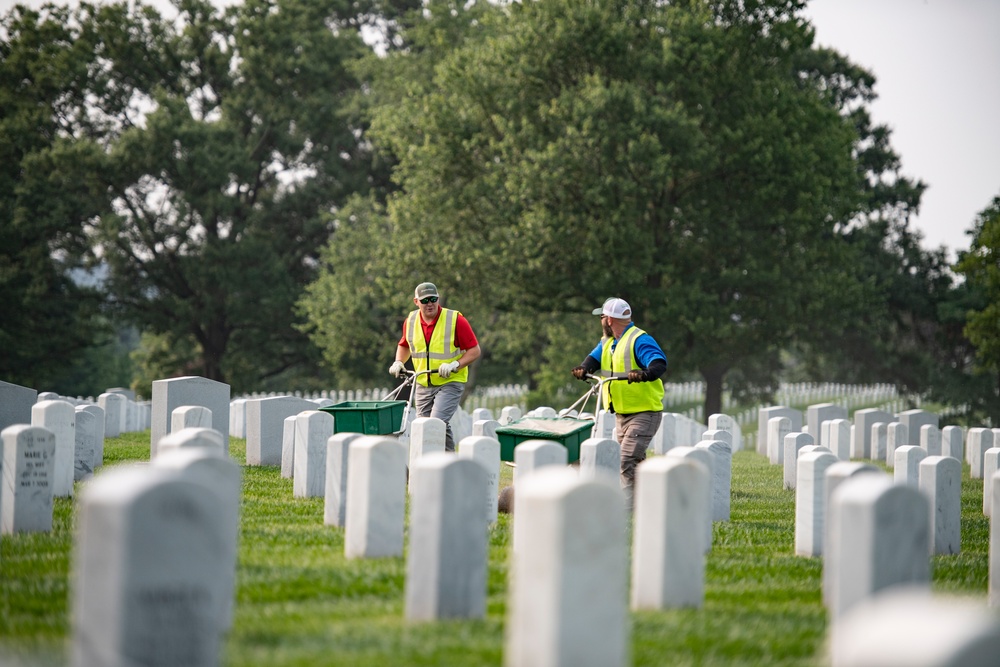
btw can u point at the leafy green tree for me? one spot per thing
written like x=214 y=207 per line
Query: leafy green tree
x=981 y=268
x=221 y=145
x=690 y=157
x=50 y=319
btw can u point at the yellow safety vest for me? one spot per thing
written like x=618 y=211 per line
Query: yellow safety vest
x=440 y=349
x=628 y=398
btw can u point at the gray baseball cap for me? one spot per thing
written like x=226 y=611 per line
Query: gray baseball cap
x=425 y=290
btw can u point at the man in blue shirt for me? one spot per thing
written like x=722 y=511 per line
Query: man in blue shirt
x=637 y=402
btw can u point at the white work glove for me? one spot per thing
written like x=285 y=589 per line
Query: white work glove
x=397 y=369
x=444 y=370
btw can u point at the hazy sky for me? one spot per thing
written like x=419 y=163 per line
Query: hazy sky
x=937 y=63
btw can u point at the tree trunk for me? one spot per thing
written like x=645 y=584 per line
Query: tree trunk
x=713 y=377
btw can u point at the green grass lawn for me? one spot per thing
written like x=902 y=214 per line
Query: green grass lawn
x=300 y=602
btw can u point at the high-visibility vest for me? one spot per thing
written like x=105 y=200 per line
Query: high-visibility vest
x=628 y=398
x=441 y=348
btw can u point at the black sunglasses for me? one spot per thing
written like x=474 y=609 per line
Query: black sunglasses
x=429 y=299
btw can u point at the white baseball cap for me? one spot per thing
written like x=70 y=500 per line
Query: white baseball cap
x=616 y=308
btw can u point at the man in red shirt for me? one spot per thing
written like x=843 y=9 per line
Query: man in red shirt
x=441 y=340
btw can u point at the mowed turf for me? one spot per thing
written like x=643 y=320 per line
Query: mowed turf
x=301 y=602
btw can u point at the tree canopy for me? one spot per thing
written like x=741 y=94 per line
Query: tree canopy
x=700 y=159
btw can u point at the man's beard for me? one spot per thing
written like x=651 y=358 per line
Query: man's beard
x=607 y=329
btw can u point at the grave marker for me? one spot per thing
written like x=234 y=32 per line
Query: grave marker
x=113 y=406
x=427 y=435
x=991 y=463
x=911 y=627
x=567 y=581
x=810 y=507
x=313 y=429
x=15 y=404
x=288 y=446
x=376 y=498
x=879 y=538
x=446 y=561
x=915 y=420
x=978 y=441
x=99 y=421
x=265 y=421
x=793 y=442
x=338 y=448
x=896 y=436
x=600 y=456
x=214 y=470
x=59 y=417
x=721 y=472
x=486 y=452
x=706 y=458
x=150 y=570
x=823 y=412
x=173 y=393
x=777 y=429
x=941 y=482
x=861 y=447
x=952 y=445
x=764 y=415
x=907 y=468
x=668 y=568
x=85 y=444
x=27 y=464
x=840 y=439
x=190 y=416
x=193 y=438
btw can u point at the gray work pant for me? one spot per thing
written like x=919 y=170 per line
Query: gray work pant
x=634 y=432
x=440 y=402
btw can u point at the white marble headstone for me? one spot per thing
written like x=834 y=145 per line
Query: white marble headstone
x=151 y=563
x=59 y=417
x=28 y=468
x=907 y=468
x=313 y=429
x=265 y=421
x=879 y=538
x=173 y=393
x=668 y=567
x=721 y=476
x=486 y=452
x=446 y=560
x=376 y=498
x=777 y=429
x=600 y=456
x=810 y=498
x=706 y=458
x=568 y=583
x=192 y=437
x=941 y=482
x=113 y=406
x=952 y=442
x=910 y=626
x=288 y=446
x=793 y=442
x=190 y=416
x=338 y=447
x=978 y=441
x=218 y=473
x=99 y=422
x=85 y=446
x=896 y=436
x=427 y=435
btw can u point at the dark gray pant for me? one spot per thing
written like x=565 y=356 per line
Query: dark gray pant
x=634 y=432
x=440 y=402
